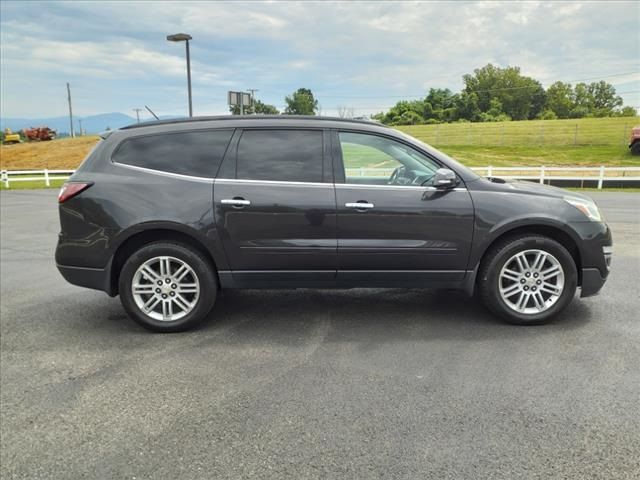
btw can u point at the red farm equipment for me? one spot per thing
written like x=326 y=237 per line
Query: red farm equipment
x=39 y=134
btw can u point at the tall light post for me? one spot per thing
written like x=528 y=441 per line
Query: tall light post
x=183 y=37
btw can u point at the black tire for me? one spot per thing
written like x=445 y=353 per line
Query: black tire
x=635 y=148
x=202 y=268
x=494 y=261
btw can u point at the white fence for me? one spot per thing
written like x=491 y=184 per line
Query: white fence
x=7 y=177
x=539 y=174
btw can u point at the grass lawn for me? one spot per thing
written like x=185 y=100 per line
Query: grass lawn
x=530 y=156
x=576 y=142
x=613 y=131
x=32 y=184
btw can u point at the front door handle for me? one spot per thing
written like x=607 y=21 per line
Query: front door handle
x=360 y=205
x=236 y=202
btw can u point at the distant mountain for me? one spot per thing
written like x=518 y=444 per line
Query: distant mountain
x=91 y=124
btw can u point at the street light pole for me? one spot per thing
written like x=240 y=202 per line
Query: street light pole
x=184 y=37
x=189 y=79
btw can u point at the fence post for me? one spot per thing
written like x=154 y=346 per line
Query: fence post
x=575 y=136
x=362 y=171
x=5 y=178
x=489 y=171
x=542 y=174
x=601 y=178
x=46 y=178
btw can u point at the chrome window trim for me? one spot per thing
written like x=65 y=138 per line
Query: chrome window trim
x=396 y=187
x=279 y=182
x=165 y=174
x=337 y=185
x=272 y=182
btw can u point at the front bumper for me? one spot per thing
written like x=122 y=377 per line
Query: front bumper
x=592 y=281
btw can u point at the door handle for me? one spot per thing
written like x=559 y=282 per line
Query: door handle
x=359 y=205
x=235 y=202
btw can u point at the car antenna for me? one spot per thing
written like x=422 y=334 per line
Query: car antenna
x=151 y=112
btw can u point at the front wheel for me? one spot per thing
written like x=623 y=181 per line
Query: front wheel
x=528 y=279
x=167 y=287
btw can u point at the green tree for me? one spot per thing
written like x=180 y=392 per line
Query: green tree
x=521 y=97
x=560 y=99
x=628 y=112
x=258 y=108
x=582 y=101
x=403 y=113
x=495 y=113
x=301 y=102
x=439 y=104
x=410 y=118
x=603 y=98
x=466 y=107
x=547 y=115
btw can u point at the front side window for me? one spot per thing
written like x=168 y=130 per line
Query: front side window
x=197 y=154
x=374 y=160
x=280 y=155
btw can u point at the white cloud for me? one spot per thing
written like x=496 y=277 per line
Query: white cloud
x=338 y=48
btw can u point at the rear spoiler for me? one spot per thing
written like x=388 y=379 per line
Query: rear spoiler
x=104 y=135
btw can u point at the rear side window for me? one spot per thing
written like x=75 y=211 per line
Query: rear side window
x=198 y=154
x=281 y=155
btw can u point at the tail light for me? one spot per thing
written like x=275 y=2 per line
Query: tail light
x=71 y=189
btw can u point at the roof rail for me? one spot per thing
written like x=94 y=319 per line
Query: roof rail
x=171 y=121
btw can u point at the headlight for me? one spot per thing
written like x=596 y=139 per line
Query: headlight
x=587 y=207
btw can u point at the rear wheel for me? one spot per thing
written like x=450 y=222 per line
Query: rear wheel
x=528 y=279
x=635 y=148
x=167 y=287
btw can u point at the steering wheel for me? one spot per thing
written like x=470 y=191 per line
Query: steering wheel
x=395 y=175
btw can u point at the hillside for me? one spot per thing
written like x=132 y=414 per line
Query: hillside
x=61 y=154
x=601 y=141
x=91 y=124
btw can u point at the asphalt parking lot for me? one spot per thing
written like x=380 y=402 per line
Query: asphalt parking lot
x=313 y=384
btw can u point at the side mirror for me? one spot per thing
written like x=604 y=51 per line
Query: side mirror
x=444 y=178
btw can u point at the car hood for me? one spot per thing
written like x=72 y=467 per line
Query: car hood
x=523 y=186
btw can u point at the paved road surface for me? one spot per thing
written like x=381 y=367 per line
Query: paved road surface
x=313 y=384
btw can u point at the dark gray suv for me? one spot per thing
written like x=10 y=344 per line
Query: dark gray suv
x=167 y=213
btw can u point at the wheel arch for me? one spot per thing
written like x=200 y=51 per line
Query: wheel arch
x=153 y=233
x=547 y=228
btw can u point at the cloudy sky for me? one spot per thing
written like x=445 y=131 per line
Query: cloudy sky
x=365 y=55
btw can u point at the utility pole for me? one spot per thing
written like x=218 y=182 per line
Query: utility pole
x=253 y=97
x=137 y=110
x=70 y=110
x=80 y=123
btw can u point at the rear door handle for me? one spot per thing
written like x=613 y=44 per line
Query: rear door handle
x=359 y=205
x=236 y=202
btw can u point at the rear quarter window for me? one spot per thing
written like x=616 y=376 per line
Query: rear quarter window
x=197 y=154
